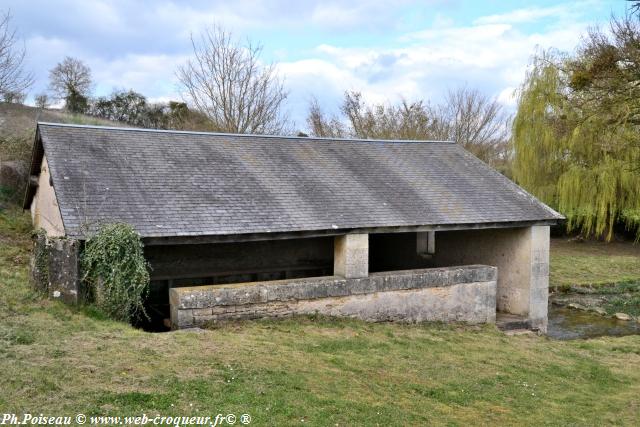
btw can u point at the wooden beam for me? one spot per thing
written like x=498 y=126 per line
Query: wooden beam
x=250 y=237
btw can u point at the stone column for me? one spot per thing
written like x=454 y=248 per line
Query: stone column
x=351 y=256
x=40 y=263
x=426 y=243
x=64 y=270
x=522 y=257
x=539 y=277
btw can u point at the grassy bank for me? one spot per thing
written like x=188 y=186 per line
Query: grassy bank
x=593 y=263
x=622 y=298
x=58 y=360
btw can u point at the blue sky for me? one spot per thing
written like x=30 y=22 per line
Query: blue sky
x=385 y=49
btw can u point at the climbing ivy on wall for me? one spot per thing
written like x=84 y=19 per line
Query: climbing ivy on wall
x=116 y=271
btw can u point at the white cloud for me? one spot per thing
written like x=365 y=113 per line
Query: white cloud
x=334 y=15
x=507 y=97
x=138 y=45
x=374 y=14
x=147 y=74
x=491 y=57
x=519 y=16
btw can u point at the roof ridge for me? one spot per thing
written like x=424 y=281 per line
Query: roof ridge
x=244 y=135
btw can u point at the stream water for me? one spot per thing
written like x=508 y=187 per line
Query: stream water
x=569 y=324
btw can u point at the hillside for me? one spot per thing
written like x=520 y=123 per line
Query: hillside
x=18 y=119
x=17 y=127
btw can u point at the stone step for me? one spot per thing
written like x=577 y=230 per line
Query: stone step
x=512 y=332
x=512 y=322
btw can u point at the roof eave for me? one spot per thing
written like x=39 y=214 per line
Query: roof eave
x=247 y=237
x=37 y=154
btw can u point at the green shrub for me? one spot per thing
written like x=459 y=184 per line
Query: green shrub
x=114 y=267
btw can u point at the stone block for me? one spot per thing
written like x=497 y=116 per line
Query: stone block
x=539 y=269
x=351 y=256
x=40 y=263
x=181 y=319
x=64 y=269
x=200 y=312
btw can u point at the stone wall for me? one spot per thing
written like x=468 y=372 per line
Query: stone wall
x=45 y=212
x=522 y=258
x=465 y=294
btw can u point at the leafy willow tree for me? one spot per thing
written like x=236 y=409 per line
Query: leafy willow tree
x=577 y=130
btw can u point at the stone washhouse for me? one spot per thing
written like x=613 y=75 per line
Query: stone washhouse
x=246 y=226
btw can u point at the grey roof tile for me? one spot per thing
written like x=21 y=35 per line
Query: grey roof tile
x=169 y=183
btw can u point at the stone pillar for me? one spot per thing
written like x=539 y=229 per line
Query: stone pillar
x=40 y=263
x=64 y=270
x=426 y=243
x=522 y=257
x=351 y=256
x=539 y=277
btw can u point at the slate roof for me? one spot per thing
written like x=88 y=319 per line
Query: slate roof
x=171 y=183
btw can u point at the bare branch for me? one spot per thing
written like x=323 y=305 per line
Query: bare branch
x=466 y=116
x=71 y=76
x=322 y=126
x=226 y=82
x=14 y=80
x=475 y=121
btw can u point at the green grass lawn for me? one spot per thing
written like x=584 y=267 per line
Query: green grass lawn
x=593 y=263
x=58 y=360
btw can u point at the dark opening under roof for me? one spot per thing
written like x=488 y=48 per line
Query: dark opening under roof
x=172 y=183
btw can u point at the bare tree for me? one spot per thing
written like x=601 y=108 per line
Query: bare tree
x=476 y=121
x=42 y=100
x=407 y=120
x=466 y=116
x=71 y=77
x=323 y=126
x=13 y=77
x=14 y=97
x=226 y=82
